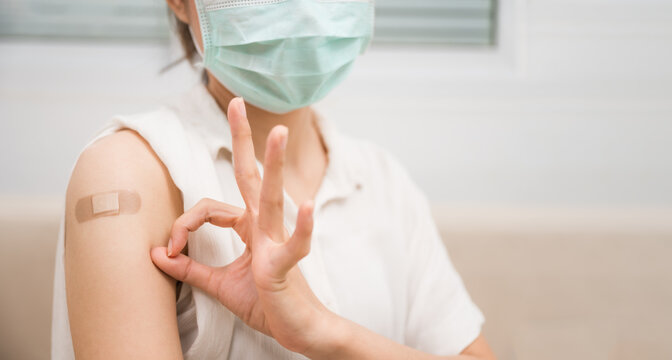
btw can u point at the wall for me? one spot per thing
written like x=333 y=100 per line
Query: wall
x=575 y=109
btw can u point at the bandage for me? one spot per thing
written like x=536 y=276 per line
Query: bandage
x=111 y=203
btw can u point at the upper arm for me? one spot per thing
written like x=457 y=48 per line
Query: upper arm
x=119 y=304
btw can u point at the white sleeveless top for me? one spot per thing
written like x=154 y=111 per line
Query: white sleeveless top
x=376 y=257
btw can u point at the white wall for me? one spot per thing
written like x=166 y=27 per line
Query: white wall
x=574 y=110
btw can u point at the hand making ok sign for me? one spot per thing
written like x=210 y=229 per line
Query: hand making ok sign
x=263 y=286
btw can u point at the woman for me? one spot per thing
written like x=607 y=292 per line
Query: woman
x=374 y=281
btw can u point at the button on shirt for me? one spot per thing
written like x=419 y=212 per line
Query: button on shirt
x=376 y=256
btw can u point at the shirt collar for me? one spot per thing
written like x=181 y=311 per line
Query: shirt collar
x=205 y=115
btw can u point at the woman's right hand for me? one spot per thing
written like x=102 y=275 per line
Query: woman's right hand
x=263 y=287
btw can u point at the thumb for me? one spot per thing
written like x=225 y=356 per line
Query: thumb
x=183 y=268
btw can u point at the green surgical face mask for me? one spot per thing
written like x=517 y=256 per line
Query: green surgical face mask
x=281 y=55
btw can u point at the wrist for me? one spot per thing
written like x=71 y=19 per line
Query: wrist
x=331 y=336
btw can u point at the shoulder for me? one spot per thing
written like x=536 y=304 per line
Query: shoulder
x=123 y=161
x=122 y=145
x=121 y=158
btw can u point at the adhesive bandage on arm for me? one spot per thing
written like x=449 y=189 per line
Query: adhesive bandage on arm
x=110 y=203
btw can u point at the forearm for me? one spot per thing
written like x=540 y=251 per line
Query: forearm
x=344 y=339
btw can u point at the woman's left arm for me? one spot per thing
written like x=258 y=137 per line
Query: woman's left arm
x=345 y=339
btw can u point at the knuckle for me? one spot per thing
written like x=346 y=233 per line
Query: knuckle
x=179 y=224
x=186 y=273
x=300 y=247
x=242 y=132
x=204 y=202
x=305 y=250
x=272 y=204
x=210 y=284
x=183 y=224
x=247 y=175
x=278 y=164
x=276 y=160
x=253 y=212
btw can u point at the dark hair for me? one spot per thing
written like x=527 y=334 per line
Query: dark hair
x=183 y=33
x=190 y=53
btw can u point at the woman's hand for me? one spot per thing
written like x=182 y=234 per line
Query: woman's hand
x=263 y=287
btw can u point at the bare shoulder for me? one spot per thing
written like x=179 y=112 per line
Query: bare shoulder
x=124 y=161
x=121 y=158
x=110 y=278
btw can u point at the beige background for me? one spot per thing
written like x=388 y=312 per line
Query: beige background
x=553 y=284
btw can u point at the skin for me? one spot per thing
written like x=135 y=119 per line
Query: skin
x=115 y=294
x=122 y=306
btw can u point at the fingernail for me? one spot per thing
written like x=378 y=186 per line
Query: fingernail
x=241 y=106
x=169 y=249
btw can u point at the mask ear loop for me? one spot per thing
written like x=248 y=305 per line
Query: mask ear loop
x=197 y=64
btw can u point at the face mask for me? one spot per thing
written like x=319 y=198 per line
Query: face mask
x=281 y=55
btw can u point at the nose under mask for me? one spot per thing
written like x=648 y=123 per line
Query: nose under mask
x=284 y=54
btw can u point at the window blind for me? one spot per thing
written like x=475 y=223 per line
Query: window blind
x=131 y=19
x=468 y=22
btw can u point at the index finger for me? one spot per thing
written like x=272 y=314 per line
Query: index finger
x=244 y=158
x=206 y=210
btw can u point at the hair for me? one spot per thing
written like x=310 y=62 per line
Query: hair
x=190 y=53
x=182 y=30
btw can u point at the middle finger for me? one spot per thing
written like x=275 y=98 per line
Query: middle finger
x=271 y=205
